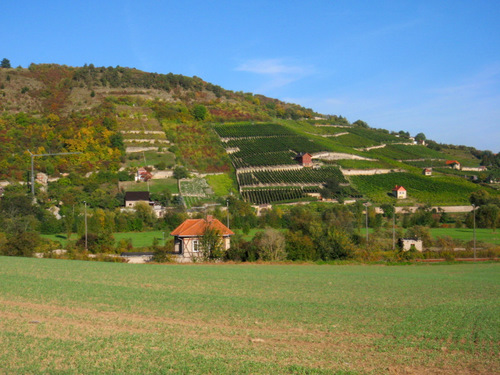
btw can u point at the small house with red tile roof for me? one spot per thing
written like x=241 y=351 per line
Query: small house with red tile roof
x=305 y=159
x=427 y=172
x=453 y=164
x=143 y=174
x=399 y=192
x=188 y=236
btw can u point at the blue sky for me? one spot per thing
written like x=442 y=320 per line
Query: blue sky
x=419 y=66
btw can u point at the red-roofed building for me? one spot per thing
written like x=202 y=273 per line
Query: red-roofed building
x=143 y=175
x=399 y=192
x=305 y=159
x=453 y=164
x=188 y=235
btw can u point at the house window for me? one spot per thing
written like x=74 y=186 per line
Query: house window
x=196 y=246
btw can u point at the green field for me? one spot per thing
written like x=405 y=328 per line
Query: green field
x=73 y=317
x=153 y=186
x=466 y=234
x=139 y=239
x=221 y=184
x=143 y=159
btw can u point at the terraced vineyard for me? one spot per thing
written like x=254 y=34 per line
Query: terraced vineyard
x=251 y=130
x=304 y=176
x=375 y=135
x=249 y=148
x=354 y=140
x=247 y=159
x=360 y=164
x=402 y=152
x=264 y=147
x=267 y=144
x=275 y=195
x=433 y=190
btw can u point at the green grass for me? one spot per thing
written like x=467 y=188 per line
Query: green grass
x=252 y=232
x=139 y=239
x=363 y=164
x=221 y=184
x=195 y=187
x=86 y=317
x=466 y=234
x=149 y=158
x=142 y=239
x=154 y=186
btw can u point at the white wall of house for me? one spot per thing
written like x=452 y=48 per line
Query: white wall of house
x=189 y=248
x=408 y=243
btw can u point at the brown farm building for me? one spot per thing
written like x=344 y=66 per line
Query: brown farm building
x=305 y=159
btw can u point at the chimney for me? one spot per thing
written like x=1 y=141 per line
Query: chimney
x=210 y=218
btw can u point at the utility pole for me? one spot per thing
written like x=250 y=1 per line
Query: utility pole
x=367 y=204
x=394 y=229
x=86 y=247
x=33 y=168
x=474 y=230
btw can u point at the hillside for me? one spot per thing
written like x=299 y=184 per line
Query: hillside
x=121 y=119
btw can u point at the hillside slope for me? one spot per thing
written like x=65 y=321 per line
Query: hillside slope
x=121 y=119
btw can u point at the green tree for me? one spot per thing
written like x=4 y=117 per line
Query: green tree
x=116 y=141
x=271 y=245
x=144 y=212
x=479 y=198
x=200 y=112
x=335 y=244
x=420 y=137
x=488 y=216
x=21 y=243
x=388 y=209
x=5 y=63
x=212 y=246
x=361 y=123
x=180 y=173
x=300 y=247
x=69 y=221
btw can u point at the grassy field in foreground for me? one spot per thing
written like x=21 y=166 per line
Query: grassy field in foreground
x=63 y=316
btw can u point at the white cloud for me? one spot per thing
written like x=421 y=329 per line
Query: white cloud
x=271 y=67
x=276 y=72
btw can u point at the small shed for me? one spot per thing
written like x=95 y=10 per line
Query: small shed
x=406 y=243
x=399 y=192
x=427 y=172
x=305 y=159
x=134 y=197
